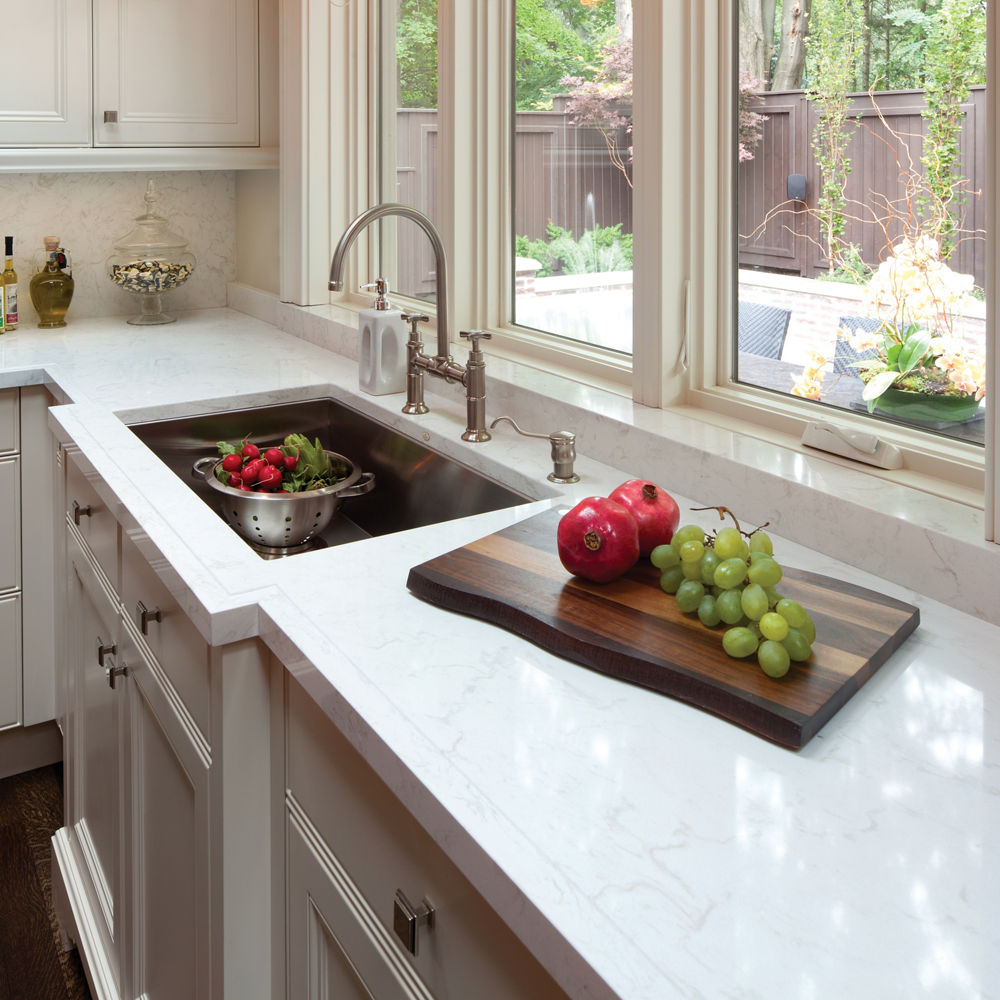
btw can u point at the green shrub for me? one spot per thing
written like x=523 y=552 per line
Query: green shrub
x=597 y=251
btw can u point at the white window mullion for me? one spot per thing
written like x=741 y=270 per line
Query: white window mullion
x=474 y=39
x=992 y=497
x=327 y=106
x=666 y=199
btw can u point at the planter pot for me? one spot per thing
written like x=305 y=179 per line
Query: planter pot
x=919 y=406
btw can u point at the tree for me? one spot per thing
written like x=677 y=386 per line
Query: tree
x=416 y=54
x=554 y=40
x=955 y=53
x=756 y=37
x=605 y=102
x=835 y=33
x=792 y=53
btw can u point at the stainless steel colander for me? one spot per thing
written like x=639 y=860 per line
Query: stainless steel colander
x=282 y=522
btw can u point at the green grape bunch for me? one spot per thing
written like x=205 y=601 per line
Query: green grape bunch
x=730 y=577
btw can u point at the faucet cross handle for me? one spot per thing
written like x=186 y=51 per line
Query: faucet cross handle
x=413 y=319
x=474 y=336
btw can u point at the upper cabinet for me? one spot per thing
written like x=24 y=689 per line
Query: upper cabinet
x=177 y=74
x=46 y=94
x=134 y=74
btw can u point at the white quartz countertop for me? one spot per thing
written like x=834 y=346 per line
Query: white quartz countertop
x=641 y=848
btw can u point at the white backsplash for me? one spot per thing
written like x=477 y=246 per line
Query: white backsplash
x=90 y=211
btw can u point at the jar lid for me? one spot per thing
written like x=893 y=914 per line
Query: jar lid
x=151 y=235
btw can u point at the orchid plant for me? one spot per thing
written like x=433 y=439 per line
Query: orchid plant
x=918 y=301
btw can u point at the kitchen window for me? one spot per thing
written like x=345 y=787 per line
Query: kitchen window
x=685 y=235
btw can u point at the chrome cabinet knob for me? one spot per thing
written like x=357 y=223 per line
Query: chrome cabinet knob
x=79 y=512
x=407 y=919
x=146 y=616
x=111 y=672
x=104 y=650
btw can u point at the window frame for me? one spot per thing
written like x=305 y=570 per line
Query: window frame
x=684 y=247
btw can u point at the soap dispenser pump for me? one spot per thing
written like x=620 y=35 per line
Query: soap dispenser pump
x=382 y=347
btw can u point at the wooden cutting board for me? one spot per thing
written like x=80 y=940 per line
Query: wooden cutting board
x=631 y=630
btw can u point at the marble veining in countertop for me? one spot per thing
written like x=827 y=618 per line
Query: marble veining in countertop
x=643 y=849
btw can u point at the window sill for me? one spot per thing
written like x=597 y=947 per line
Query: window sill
x=919 y=535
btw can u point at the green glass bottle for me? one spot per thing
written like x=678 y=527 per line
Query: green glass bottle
x=52 y=288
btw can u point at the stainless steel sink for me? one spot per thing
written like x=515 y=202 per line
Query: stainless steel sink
x=414 y=486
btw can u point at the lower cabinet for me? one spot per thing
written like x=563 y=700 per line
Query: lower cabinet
x=374 y=907
x=134 y=854
x=223 y=839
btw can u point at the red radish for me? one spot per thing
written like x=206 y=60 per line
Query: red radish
x=598 y=539
x=274 y=456
x=235 y=479
x=250 y=451
x=252 y=470
x=245 y=488
x=292 y=460
x=232 y=463
x=655 y=511
x=269 y=477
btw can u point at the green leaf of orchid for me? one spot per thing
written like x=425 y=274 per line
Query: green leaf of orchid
x=892 y=356
x=914 y=348
x=875 y=386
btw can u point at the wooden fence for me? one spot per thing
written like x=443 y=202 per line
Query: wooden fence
x=563 y=173
x=790 y=241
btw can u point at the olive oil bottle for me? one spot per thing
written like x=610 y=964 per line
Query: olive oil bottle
x=9 y=279
x=52 y=288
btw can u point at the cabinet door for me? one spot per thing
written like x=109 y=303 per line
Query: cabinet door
x=10 y=525
x=177 y=74
x=168 y=815
x=94 y=757
x=46 y=73
x=337 y=948
x=10 y=661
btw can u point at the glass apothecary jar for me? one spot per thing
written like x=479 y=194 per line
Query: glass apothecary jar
x=149 y=261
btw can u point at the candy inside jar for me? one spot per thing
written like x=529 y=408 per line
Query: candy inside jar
x=150 y=261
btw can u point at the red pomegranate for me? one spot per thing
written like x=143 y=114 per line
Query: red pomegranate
x=655 y=511
x=598 y=540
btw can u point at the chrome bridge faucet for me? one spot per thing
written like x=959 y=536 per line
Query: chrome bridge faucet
x=471 y=375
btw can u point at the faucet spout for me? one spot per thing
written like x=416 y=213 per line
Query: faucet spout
x=371 y=215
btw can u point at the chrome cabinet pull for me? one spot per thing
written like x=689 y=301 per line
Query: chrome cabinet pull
x=146 y=616
x=407 y=919
x=112 y=672
x=104 y=650
x=79 y=512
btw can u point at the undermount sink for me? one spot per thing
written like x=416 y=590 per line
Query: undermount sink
x=414 y=486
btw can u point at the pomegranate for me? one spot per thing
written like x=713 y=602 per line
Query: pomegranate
x=598 y=540
x=655 y=511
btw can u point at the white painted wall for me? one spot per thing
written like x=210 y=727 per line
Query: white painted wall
x=257 y=229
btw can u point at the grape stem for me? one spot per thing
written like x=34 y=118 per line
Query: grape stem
x=723 y=511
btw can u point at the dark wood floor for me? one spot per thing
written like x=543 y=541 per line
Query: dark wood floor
x=32 y=965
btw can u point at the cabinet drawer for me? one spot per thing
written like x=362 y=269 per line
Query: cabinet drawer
x=10 y=661
x=172 y=639
x=94 y=520
x=10 y=524
x=469 y=951
x=8 y=420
